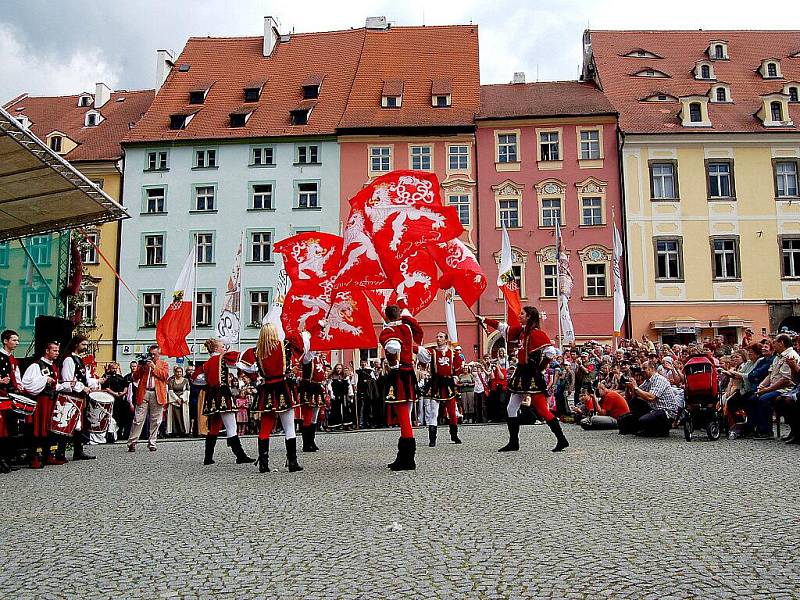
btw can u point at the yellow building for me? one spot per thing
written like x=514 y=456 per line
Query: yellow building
x=710 y=153
x=86 y=130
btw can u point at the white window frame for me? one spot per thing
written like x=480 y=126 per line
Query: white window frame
x=597 y=210
x=35 y=304
x=204 y=247
x=786 y=179
x=261 y=152
x=382 y=157
x=205 y=196
x=146 y=198
x=151 y=308
x=88 y=300
x=721 y=254
x=420 y=153
x=590 y=149
x=461 y=154
x=89 y=252
x=159 y=159
x=547 y=211
x=300 y=194
x=262 y=304
x=205 y=158
x=542 y=144
x=258 y=236
x=506 y=151
x=206 y=307
x=254 y=194
x=305 y=154
x=462 y=204
x=592 y=280
x=154 y=248
x=549 y=275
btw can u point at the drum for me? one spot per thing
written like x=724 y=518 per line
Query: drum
x=101 y=405
x=22 y=405
x=66 y=414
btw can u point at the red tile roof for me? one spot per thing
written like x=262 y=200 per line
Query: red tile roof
x=545 y=99
x=62 y=113
x=681 y=51
x=235 y=63
x=418 y=56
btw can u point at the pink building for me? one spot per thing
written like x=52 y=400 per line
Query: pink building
x=416 y=111
x=547 y=153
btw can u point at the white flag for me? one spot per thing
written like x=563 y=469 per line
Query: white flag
x=450 y=314
x=229 y=323
x=274 y=317
x=565 y=284
x=619 y=298
x=504 y=274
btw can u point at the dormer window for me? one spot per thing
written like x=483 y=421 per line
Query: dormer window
x=650 y=73
x=93 y=118
x=720 y=93
x=23 y=121
x=792 y=91
x=239 y=118
x=659 y=97
x=770 y=68
x=704 y=70
x=774 y=111
x=695 y=111
x=180 y=120
x=311 y=86
x=641 y=53
x=198 y=94
x=252 y=91
x=717 y=50
x=55 y=143
x=392 y=95
x=300 y=116
x=85 y=100
x=441 y=93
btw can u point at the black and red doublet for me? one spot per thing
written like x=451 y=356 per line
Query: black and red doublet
x=312 y=386
x=45 y=401
x=217 y=397
x=446 y=365
x=401 y=379
x=10 y=369
x=275 y=394
x=528 y=376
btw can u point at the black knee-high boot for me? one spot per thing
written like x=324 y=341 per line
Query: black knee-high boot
x=454 y=434
x=211 y=441
x=555 y=427
x=406 y=449
x=513 y=436
x=313 y=437
x=291 y=456
x=263 y=455
x=432 y=431
x=77 y=445
x=235 y=445
x=61 y=449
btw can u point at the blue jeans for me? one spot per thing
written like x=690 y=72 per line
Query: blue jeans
x=759 y=411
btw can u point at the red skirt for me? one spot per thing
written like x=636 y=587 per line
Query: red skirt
x=43 y=416
x=443 y=388
x=401 y=386
x=312 y=394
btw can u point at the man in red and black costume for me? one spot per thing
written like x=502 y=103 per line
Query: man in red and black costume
x=535 y=351
x=401 y=336
x=75 y=373
x=9 y=382
x=312 y=392
x=446 y=364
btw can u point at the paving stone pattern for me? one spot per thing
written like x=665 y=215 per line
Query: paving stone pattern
x=612 y=517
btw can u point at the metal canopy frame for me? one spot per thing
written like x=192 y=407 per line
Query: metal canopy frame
x=84 y=202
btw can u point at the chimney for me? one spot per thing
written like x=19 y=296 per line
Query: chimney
x=377 y=23
x=519 y=77
x=271 y=34
x=102 y=94
x=164 y=63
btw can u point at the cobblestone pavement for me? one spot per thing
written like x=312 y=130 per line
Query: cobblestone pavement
x=612 y=517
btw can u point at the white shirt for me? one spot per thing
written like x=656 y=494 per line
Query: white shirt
x=34 y=382
x=68 y=375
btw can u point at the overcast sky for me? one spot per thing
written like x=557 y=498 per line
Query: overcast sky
x=50 y=47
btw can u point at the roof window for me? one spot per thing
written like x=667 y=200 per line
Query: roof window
x=85 y=100
x=300 y=115
x=92 y=119
x=180 y=120
x=650 y=72
x=392 y=94
x=311 y=86
x=641 y=53
x=717 y=50
x=441 y=93
x=240 y=117
x=770 y=68
x=198 y=94
x=774 y=111
x=704 y=71
x=694 y=111
x=252 y=91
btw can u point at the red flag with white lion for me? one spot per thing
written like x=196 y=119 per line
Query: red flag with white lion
x=310 y=256
x=460 y=270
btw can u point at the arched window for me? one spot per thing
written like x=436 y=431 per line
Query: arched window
x=719 y=51
x=792 y=94
x=777 y=111
x=705 y=72
x=722 y=95
x=695 y=112
x=772 y=70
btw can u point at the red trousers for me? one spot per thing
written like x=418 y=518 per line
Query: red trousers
x=403 y=412
x=539 y=404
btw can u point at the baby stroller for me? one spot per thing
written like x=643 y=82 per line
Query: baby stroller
x=702 y=397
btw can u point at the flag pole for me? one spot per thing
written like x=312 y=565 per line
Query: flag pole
x=241 y=292
x=558 y=283
x=194 y=307
x=614 y=337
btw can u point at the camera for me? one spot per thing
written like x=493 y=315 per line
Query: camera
x=143 y=358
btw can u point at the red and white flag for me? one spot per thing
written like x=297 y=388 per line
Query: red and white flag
x=460 y=270
x=310 y=256
x=507 y=282
x=175 y=325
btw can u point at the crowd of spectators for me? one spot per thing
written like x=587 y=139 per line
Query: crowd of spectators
x=637 y=388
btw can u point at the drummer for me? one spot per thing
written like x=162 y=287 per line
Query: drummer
x=9 y=382
x=41 y=382
x=74 y=372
